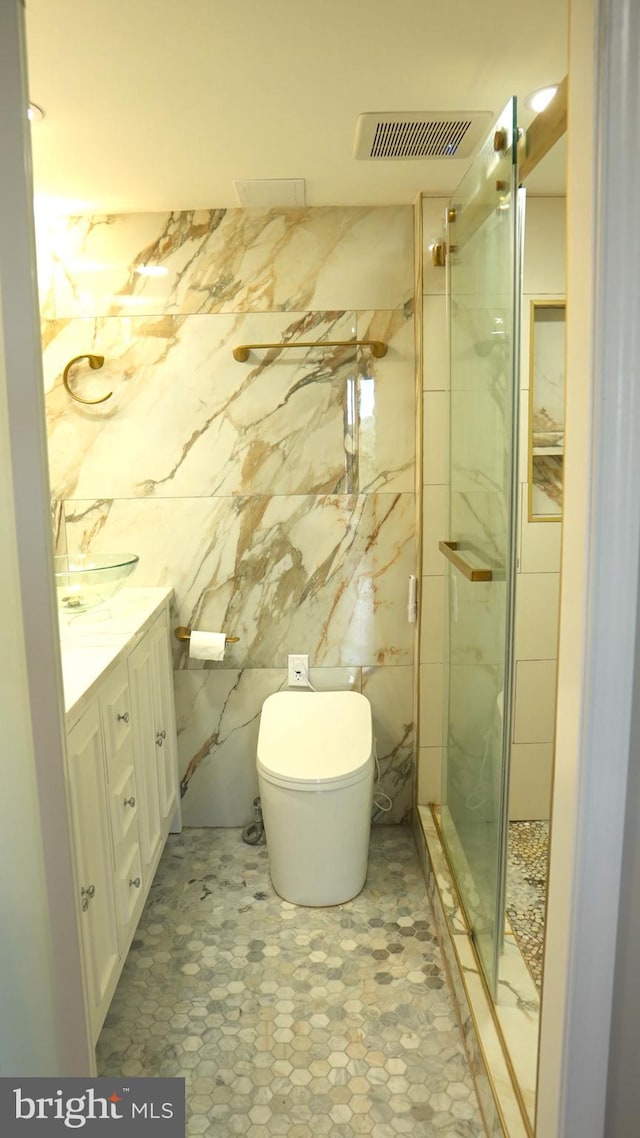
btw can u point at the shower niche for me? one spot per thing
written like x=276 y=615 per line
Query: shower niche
x=546 y=410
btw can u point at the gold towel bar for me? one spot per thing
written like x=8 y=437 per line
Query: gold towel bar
x=95 y=362
x=471 y=572
x=378 y=348
x=183 y=633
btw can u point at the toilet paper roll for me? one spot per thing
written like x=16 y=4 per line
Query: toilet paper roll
x=206 y=645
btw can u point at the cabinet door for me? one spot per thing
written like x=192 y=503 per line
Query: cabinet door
x=91 y=838
x=165 y=720
x=141 y=688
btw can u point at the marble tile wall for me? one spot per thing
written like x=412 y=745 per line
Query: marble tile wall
x=276 y=496
x=435 y=503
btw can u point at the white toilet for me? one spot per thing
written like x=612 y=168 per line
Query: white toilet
x=315 y=773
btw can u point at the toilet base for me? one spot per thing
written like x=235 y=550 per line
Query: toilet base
x=319 y=904
x=318 y=840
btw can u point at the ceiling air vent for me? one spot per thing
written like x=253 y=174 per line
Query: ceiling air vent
x=269 y=193
x=419 y=134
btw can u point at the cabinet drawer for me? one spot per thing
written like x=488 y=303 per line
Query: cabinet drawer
x=115 y=713
x=124 y=809
x=129 y=888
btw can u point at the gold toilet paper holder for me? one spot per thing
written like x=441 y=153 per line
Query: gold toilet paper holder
x=183 y=633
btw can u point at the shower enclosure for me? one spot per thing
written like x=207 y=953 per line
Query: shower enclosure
x=484 y=243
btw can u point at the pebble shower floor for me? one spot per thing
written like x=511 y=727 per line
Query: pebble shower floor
x=292 y=1021
x=527 y=872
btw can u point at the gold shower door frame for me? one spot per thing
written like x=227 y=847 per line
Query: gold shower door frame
x=483 y=270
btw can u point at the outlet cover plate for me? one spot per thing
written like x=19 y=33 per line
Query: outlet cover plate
x=298 y=670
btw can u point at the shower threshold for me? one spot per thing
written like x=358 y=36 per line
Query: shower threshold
x=502 y=1038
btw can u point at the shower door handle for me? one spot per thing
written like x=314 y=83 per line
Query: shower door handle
x=472 y=572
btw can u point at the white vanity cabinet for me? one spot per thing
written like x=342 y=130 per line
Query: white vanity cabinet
x=123 y=783
x=154 y=728
x=123 y=798
x=93 y=864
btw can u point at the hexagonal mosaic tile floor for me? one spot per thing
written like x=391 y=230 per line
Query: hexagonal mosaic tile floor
x=292 y=1021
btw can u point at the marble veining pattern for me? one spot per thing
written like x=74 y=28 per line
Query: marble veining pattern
x=441 y=894
x=58 y=527
x=289 y=421
x=218 y=722
x=292 y=1021
x=321 y=575
x=522 y=1049
x=211 y=426
x=517 y=1007
x=218 y=735
x=546 y=490
x=275 y=496
x=390 y=692
x=227 y=260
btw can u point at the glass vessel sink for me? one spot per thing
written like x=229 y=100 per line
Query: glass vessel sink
x=84 y=580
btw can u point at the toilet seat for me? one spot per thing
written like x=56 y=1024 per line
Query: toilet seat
x=316 y=784
x=315 y=740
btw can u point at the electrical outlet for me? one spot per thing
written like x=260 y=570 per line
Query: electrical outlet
x=298 y=676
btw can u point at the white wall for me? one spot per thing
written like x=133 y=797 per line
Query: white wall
x=592 y=948
x=581 y=191
x=27 y=1032
x=42 y=1023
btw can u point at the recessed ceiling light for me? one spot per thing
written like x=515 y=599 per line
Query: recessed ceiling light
x=35 y=113
x=539 y=100
x=152 y=270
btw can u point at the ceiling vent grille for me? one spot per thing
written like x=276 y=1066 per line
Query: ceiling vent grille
x=414 y=134
x=270 y=193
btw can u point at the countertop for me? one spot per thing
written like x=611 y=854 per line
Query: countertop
x=92 y=641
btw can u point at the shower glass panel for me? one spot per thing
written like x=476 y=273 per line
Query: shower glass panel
x=483 y=284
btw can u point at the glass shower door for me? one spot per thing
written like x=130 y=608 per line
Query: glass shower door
x=483 y=285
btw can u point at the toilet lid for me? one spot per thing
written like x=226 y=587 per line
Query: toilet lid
x=315 y=735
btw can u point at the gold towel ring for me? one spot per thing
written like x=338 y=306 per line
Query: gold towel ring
x=95 y=362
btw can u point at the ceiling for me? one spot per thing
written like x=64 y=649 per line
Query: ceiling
x=161 y=105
